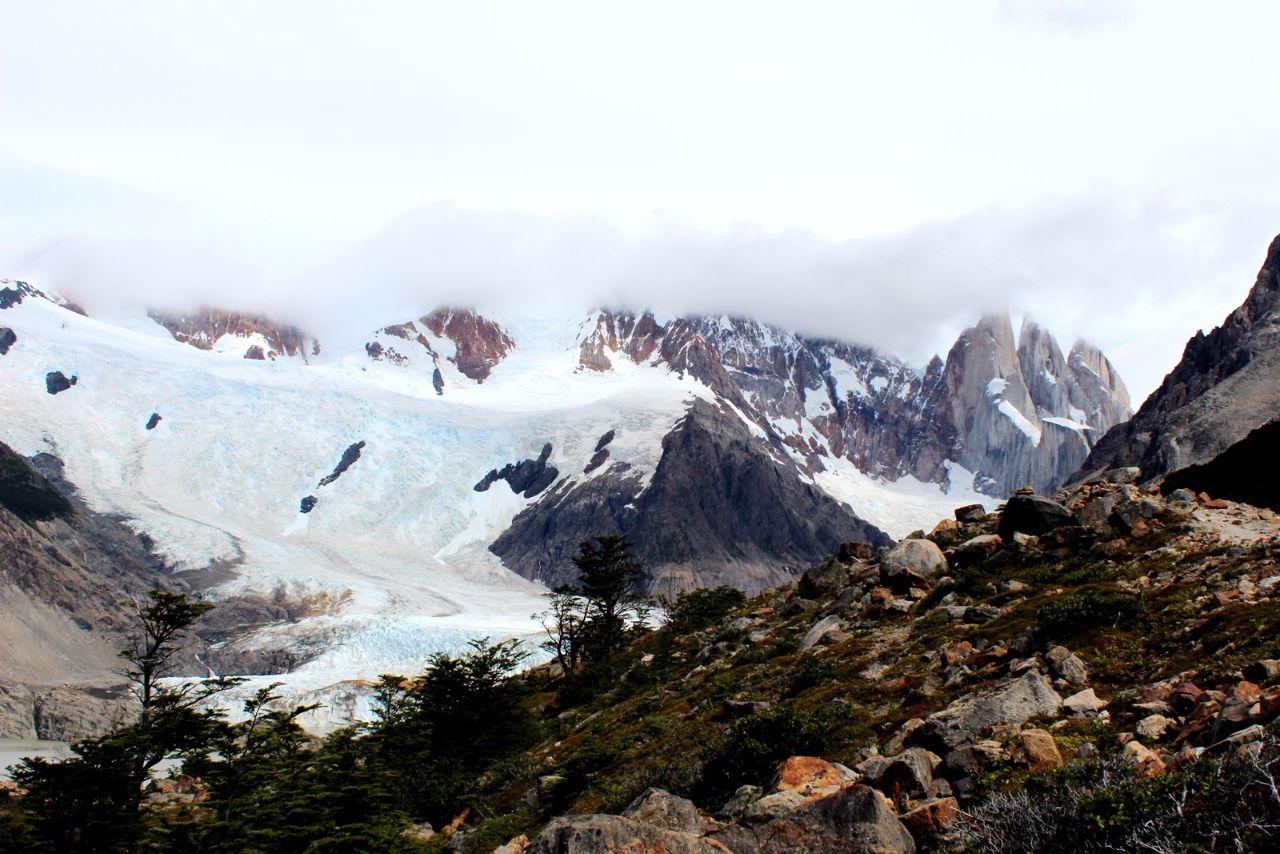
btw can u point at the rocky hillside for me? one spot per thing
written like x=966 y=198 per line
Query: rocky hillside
x=1011 y=682
x=1224 y=386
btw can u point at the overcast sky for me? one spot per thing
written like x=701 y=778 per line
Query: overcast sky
x=882 y=172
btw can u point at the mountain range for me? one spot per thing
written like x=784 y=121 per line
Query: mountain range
x=357 y=511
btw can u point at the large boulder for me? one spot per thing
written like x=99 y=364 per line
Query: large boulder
x=1015 y=702
x=7 y=339
x=663 y=809
x=823 y=580
x=856 y=818
x=1026 y=513
x=612 y=834
x=921 y=557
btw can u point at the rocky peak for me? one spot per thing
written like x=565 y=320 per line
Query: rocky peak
x=984 y=407
x=251 y=335
x=479 y=343
x=470 y=342
x=1025 y=415
x=1223 y=387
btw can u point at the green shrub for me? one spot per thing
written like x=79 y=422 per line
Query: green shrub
x=697 y=609
x=1085 y=610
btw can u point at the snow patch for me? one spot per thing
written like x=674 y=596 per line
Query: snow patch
x=1020 y=421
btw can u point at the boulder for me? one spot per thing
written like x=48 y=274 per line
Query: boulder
x=799 y=781
x=7 y=339
x=1064 y=664
x=971 y=513
x=1095 y=513
x=826 y=579
x=1263 y=671
x=975 y=550
x=1154 y=727
x=663 y=809
x=933 y=816
x=1032 y=514
x=1015 y=702
x=1037 y=750
x=923 y=557
x=973 y=759
x=1083 y=703
x=592 y=834
x=908 y=775
x=821 y=628
x=856 y=818
x=1145 y=759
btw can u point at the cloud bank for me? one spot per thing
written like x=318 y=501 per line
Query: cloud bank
x=1137 y=280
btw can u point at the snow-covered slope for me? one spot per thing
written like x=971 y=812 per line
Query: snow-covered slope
x=347 y=491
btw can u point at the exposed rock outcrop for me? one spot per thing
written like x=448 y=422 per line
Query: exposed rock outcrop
x=7 y=339
x=56 y=382
x=1224 y=386
x=527 y=478
x=214 y=328
x=472 y=343
x=719 y=509
x=349 y=457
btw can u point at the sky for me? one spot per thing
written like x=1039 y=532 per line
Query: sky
x=882 y=172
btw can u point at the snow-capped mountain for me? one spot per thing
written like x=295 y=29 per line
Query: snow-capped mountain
x=421 y=490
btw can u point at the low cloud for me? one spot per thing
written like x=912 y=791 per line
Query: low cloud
x=1137 y=280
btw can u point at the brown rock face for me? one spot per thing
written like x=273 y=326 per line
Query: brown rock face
x=481 y=343
x=204 y=327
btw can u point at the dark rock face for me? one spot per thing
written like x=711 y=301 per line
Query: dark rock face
x=1032 y=514
x=1224 y=386
x=349 y=456
x=1248 y=471
x=720 y=509
x=56 y=382
x=437 y=381
x=26 y=493
x=153 y=421
x=527 y=478
x=15 y=294
x=307 y=504
x=7 y=339
x=255 y=353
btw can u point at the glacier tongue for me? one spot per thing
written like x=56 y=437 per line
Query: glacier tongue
x=394 y=553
